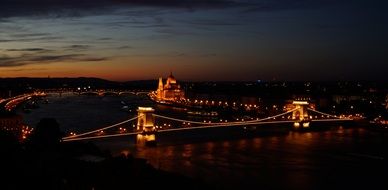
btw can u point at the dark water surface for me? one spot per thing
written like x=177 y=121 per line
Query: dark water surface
x=338 y=158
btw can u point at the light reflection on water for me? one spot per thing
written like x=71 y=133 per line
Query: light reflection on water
x=297 y=160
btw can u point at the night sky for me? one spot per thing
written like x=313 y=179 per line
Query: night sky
x=195 y=39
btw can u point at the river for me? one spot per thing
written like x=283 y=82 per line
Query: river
x=339 y=157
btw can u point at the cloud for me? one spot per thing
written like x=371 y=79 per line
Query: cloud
x=28 y=59
x=210 y=22
x=24 y=69
x=76 y=8
x=117 y=2
x=77 y=47
x=31 y=39
x=104 y=39
x=71 y=8
x=208 y=55
x=278 y=5
x=125 y=47
x=26 y=35
x=165 y=54
x=92 y=59
x=28 y=49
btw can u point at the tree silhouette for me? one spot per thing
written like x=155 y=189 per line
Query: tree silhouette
x=9 y=143
x=46 y=135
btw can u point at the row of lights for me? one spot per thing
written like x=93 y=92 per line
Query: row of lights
x=212 y=102
x=26 y=131
x=20 y=98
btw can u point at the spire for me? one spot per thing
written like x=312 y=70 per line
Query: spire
x=170 y=73
x=160 y=86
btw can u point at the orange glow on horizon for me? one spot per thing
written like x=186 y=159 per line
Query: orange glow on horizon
x=123 y=69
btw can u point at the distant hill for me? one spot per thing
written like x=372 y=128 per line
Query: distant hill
x=141 y=84
x=55 y=82
x=23 y=83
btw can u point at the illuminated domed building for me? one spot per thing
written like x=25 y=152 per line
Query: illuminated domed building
x=171 y=91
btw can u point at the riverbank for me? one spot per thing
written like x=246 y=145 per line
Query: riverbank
x=44 y=164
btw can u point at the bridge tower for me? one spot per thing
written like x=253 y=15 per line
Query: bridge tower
x=300 y=114
x=145 y=124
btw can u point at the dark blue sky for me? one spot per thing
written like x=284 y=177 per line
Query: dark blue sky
x=196 y=39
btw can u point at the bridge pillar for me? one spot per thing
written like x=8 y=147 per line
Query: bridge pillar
x=300 y=114
x=145 y=124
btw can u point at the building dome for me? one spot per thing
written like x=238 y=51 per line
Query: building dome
x=171 y=79
x=170 y=91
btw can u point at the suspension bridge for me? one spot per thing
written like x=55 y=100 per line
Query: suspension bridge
x=146 y=125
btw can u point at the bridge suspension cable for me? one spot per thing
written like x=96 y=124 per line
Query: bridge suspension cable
x=101 y=129
x=181 y=120
x=271 y=117
x=176 y=129
x=98 y=137
x=326 y=120
x=222 y=123
x=316 y=111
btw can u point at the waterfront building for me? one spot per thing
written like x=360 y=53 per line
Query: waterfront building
x=171 y=91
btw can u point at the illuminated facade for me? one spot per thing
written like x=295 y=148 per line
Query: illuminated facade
x=145 y=121
x=170 y=91
x=300 y=112
x=299 y=109
x=145 y=125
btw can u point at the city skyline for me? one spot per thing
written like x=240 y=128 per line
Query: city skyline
x=241 y=40
x=194 y=94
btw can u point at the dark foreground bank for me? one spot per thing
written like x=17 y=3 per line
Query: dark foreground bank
x=43 y=162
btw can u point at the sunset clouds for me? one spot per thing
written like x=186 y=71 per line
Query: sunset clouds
x=199 y=40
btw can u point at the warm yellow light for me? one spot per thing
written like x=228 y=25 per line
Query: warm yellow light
x=300 y=103
x=145 y=109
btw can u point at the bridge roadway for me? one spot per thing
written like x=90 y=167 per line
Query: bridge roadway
x=205 y=125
